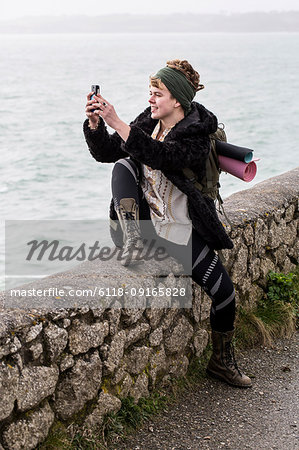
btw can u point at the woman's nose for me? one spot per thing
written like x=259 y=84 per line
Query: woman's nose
x=151 y=99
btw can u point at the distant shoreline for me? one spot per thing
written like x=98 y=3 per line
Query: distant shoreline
x=258 y=22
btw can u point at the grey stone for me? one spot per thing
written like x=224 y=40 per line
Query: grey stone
x=9 y=346
x=83 y=337
x=140 y=387
x=36 y=350
x=289 y=214
x=66 y=362
x=200 y=341
x=35 y=384
x=156 y=337
x=288 y=266
x=154 y=315
x=205 y=307
x=66 y=323
x=290 y=235
x=116 y=352
x=28 y=432
x=33 y=332
x=98 y=312
x=135 y=334
x=265 y=266
x=125 y=386
x=178 y=339
x=81 y=384
x=277 y=233
x=17 y=360
x=179 y=366
x=254 y=268
x=169 y=318
x=260 y=236
x=113 y=317
x=132 y=315
x=56 y=339
x=278 y=213
x=8 y=388
x=248 y=235
x=137 y=359
x=196 y=301
x=119 y=375
x=240 y=264
x=107 y=403
x=158 y=364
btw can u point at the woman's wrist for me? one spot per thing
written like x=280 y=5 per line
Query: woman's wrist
x=93 y=125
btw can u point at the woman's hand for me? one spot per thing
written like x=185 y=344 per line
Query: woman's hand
x=102 y=108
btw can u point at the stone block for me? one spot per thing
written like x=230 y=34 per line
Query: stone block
x=178 y=338
x=33 y=332
x=107 y=403
x=158 y=364
x=140 y=387
x=9 y=345
x=239 y=268
x=56 y=340
x=156 y=337
x=179 y=366
x=9 y=377
x=81 y=384
x=248 y=235
x=115 y=352
x=135 y=334
x=260 y=236
x=28 y=432
x=83 y=337
x=36 y=350
x=289 y=214
x=66 y=362
x=200 y=341
x=265 y=266
x=154 y=315
x=35 y=384
x=137 y=359
x=254 y=268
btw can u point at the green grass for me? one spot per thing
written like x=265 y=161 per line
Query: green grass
x=274 y=315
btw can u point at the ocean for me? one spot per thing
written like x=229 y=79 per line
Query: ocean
x=251 y=84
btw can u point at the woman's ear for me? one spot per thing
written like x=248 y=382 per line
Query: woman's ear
x=177 y=104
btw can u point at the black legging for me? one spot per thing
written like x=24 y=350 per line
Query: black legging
x=207 y=269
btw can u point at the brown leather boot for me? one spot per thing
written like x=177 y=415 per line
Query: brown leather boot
x=128 y=215
x=222 y=364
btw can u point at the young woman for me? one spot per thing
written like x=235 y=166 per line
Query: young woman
x=148 y=183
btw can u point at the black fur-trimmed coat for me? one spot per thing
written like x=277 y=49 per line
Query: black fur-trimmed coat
x=186 y=145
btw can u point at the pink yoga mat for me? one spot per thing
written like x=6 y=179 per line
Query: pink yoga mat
x=242 y=170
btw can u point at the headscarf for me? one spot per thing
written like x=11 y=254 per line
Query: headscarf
x=178 y=85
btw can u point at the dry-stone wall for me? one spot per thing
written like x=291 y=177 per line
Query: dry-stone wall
x=65 y=364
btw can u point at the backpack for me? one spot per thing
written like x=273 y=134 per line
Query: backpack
x=209 y=184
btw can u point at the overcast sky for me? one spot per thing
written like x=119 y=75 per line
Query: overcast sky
x=19 y=8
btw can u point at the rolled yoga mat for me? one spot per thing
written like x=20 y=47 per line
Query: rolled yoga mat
x=233 y=151
x=242 y=170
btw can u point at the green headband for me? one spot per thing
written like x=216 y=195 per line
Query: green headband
x=178 y=85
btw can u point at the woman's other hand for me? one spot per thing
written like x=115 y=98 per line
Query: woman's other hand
x=91 y=112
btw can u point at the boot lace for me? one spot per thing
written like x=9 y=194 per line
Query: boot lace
x=229 y=357
x=133 y=229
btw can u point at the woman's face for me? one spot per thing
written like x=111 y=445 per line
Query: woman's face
x=162 y=103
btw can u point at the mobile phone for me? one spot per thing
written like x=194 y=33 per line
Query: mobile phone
x=96 y=89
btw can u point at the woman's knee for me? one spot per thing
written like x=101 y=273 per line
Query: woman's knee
x=125 y=166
